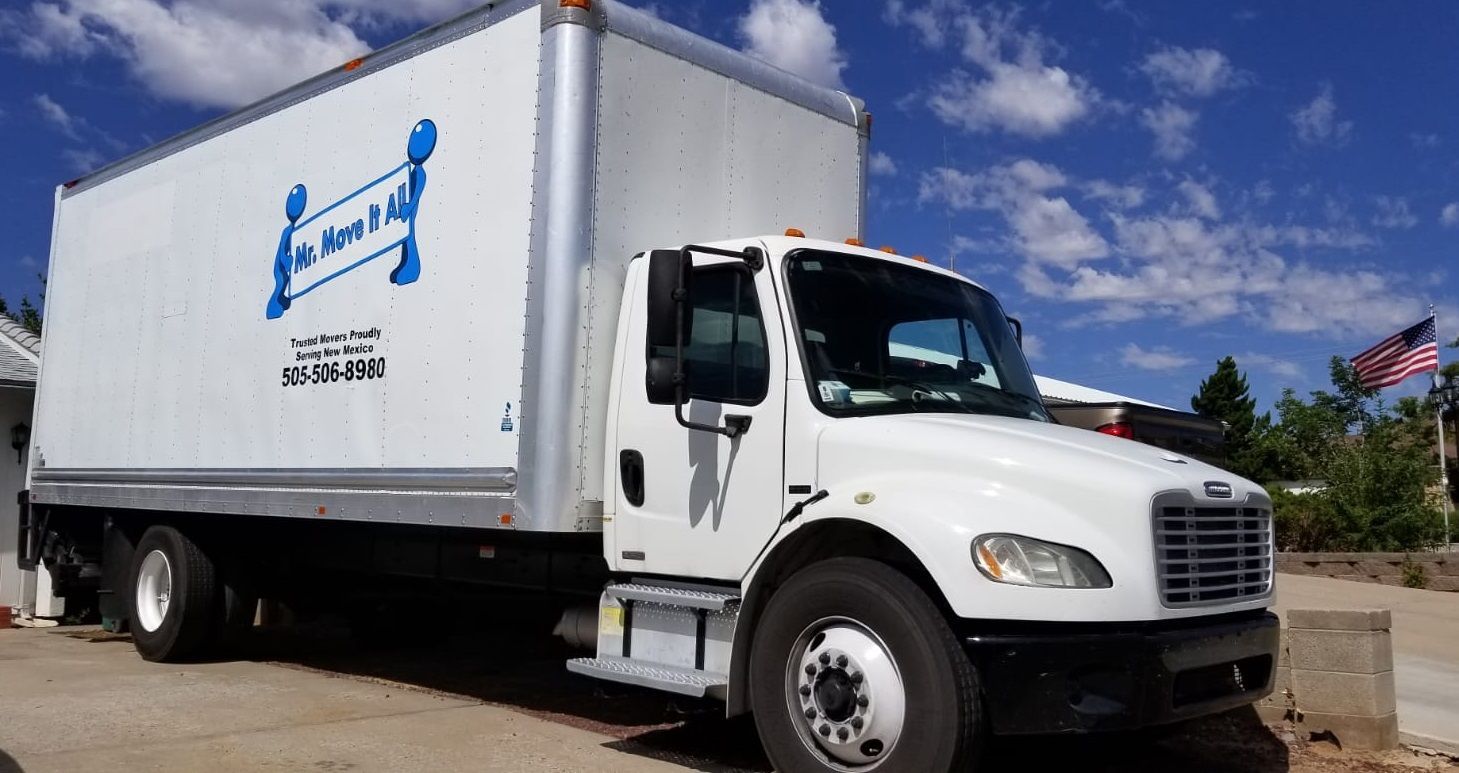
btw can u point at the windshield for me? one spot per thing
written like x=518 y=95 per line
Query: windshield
x=880 y=337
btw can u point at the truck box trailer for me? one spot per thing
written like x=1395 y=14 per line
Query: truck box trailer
x=487 y=309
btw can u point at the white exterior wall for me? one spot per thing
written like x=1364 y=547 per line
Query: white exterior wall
x=17 y=588
x=158 y=353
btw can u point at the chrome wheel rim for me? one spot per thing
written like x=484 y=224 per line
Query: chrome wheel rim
x=845 y=694
x=154 y=590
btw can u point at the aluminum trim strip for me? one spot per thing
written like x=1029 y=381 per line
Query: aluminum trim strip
x=446 y=509
x=425 y=40
x=493 y=479
x=674 y=41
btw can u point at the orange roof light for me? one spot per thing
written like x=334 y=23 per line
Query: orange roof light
x=796 y=232
x=354 y=64
x=920 y=258
x=586 y=5
x=855 y=242
x=888 y=249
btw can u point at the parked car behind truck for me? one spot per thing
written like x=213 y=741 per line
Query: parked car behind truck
x=488 y=310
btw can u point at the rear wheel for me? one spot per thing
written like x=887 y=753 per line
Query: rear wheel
x=174 y=595
x=854 y=669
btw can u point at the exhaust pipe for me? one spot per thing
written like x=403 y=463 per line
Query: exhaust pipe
x=578 y=627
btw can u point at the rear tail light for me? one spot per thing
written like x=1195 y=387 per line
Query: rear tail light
x=1118 y=429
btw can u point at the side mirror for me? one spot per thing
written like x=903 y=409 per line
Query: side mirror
x=670 y=297
x=659 y=380
x=670 y=290
x=1017 y=330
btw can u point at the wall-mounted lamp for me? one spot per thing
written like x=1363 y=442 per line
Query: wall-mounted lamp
x=19 y=439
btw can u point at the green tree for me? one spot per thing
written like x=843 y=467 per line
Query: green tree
x=1374 y=464
x=1225 y=397
x=30 y=316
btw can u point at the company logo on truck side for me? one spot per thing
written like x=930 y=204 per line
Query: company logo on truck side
x=377 y=219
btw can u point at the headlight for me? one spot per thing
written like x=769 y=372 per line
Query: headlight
x=1015 y=560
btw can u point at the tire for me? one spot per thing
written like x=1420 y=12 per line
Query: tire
x=173 y=598
x=911 y=706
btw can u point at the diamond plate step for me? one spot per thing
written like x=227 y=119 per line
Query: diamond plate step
x=679 y=597
x=684 y=681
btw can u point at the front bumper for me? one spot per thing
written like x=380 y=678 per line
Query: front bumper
x=1076 y=678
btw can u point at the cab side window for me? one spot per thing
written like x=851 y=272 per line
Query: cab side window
x=726 y=351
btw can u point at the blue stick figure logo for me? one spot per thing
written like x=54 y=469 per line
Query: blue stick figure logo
x=377 y=219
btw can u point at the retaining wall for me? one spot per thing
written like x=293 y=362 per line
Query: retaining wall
x=1441 y=570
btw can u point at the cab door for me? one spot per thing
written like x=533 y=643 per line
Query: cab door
x=691 y=502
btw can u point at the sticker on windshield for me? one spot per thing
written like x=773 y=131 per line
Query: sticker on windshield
x=834 y=392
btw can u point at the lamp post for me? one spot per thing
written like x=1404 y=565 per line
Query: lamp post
x=1445 y=394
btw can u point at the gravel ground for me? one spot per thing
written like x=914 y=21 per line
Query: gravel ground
x=501 y=666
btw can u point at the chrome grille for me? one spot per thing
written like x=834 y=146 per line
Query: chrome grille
x=1212 y=555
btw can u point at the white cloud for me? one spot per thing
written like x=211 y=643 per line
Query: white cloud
x=1199 y=72
x=1033 y=346
x=1393 y=213
x=56 y=115
x=882 y=164
x=1276 y=366
x=1045 y=227
x=1449 y=215
x=211 y=54
x=1200 y=200
x=1117 y=196
x=29 y=261
x=1317 y=123
x=82 y=160
x=1172 y=126
x=1157 y=358
x=794 y=36
x=1262 y=192
x=1014 y=89
x=1424 y=140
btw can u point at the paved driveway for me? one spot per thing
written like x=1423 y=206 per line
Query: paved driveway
x=1425 y=645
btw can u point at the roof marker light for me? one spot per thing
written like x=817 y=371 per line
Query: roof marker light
x=586 y=5
x=354 y=64
x=855 y=242
x=796 y=232
x=920 y=258
x=889 y=249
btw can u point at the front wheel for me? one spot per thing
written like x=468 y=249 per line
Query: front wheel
x=854 y=669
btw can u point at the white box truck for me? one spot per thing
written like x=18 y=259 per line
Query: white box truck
x=486 y=308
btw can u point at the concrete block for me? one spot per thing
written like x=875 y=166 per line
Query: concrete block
x=1272 y=715
x=1352 y=652
x=1341 y=619
x=1443 y=583
x=1284 y=654
x=1334 y=568
x=1355 y=578
x=1327 y=692
x=1296 y=567
x=1446 y=568
x=1375 y=568
x=1353 y=732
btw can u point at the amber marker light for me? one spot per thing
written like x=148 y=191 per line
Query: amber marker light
x=796 y=232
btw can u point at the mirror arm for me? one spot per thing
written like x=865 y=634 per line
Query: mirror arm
x=1017 y=329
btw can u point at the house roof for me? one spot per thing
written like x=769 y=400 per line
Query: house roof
x=1054 y=389
x=20 y=354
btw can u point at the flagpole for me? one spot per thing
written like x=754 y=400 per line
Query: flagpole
x=1443 y=458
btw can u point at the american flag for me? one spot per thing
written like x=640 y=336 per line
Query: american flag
x=1395 y=358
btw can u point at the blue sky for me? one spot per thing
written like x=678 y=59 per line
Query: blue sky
x=1150 y=186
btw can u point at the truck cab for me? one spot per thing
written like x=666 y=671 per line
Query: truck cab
x=839 y=501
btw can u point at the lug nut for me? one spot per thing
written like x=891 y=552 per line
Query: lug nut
x=856 y=677
x=841 y=661
x=824 y=730
x=861 y=700
x=843 y=733
x=810 y=713
x=810 y=669
x=857 y=722
x=805 y=691
x=825 y=658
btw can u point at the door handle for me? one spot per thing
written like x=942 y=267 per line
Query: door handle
x=630 y=472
